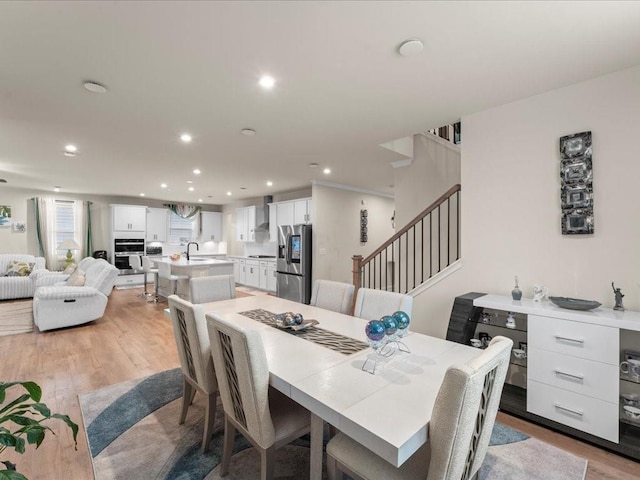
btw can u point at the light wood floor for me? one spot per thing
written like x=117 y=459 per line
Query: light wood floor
x=134 y=340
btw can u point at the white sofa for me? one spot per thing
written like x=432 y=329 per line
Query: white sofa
x=18 y=287
x=58 y=305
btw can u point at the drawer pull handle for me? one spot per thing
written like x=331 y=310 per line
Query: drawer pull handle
x=567 y=374
x=570 y=410
x=568 y=339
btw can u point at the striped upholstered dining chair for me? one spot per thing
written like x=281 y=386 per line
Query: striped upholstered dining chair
x=330 y=295
x=265 y=417
x=461 y=423
x=194 y=352
x=212 y=289
x=372 y=304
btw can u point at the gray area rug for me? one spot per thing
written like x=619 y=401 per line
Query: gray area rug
x=133 y=433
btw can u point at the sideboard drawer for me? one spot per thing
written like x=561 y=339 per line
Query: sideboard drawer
x=587 y=414
x=583 y=340
x=595 y=379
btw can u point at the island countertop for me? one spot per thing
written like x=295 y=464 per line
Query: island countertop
x=193 y=262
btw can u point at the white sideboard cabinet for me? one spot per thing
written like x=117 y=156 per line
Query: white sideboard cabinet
x=569 y=378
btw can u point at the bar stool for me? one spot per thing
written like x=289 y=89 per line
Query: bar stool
x=136 y=264
x=146 y=268
x=164 y=272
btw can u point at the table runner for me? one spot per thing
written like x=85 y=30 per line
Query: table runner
x=331 y=340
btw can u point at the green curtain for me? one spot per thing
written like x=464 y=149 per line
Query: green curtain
x=88 y=239
x=183 y=211
x=39 y=237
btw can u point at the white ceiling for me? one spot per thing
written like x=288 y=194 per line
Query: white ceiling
x=342 y=89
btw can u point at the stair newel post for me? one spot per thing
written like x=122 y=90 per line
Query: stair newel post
x=357 y=266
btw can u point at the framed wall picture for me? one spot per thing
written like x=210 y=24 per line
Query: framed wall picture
x=576 y=184
x=5 y=216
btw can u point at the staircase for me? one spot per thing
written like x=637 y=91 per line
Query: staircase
x=421 y=250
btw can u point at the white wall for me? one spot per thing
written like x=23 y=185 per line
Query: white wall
x=511 y=199
x=336 y=229
x=435 y=169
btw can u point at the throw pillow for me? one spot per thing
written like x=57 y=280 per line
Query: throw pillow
x=19 y=269
x=70 y=269
x=76 y=279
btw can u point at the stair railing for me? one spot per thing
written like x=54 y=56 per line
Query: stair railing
x=425 y=246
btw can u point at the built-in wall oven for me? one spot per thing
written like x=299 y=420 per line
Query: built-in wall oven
x=122 y=248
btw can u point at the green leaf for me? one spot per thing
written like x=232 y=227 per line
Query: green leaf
x=42 y=409
x=35 y=435
x=7 y=439
x=22 y=420
x=19 y=446
x=11 y=475
x=17 y=401
x=35 y=392
x=73 y=426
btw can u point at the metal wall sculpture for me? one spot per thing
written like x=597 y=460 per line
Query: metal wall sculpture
x=576 y=183
x=363 y=226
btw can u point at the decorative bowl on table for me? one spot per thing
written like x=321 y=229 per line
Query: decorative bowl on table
x=292 y=321
x=575 y=303
x=175 y=257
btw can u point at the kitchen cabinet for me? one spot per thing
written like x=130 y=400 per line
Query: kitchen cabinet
x=294 y=212
x=271 y=277
x=157 y=224
x=252 y=273
x=246 y=224
x=241 y=277
x=273 y=222
x=128 y=218
x=210 y=226
x=302 y=211
x=264 y=275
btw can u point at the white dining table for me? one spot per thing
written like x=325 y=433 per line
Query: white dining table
x=388 y=412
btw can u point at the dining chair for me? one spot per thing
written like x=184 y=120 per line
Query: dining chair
x=373 y=304
x=194 y=352
x=330 y=295
x=266 y=418
x=164 y=272
x=135 y=263
x=147 y=267
x=458 y=435
x=212 y=289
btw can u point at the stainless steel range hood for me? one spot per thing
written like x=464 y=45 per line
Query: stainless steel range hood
x=264 y=226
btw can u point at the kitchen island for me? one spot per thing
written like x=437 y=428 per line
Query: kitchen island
x=188 y=269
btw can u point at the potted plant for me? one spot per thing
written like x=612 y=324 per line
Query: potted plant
x=23 y=421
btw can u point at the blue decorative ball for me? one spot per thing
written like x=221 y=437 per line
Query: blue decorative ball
x=390 y=324
x=375 y=330
x=402 y=319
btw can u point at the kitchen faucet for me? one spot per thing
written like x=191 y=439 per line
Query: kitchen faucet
x=189 y=244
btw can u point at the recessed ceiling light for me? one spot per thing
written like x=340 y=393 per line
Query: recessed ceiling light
x=326 y=171
x=69 y=154
x=191 y=189
x=189 y=181
x=313 y=165
x=185 y=137
x=142 y=194
x=163 y=185
x=229 y=193
x=267 y=81
x=70 y=148
x=56 y=188
x=200 y=200
x=197 y=172
x=95 y=87
x=411 y=48
x=248 y=132
x=269 y=183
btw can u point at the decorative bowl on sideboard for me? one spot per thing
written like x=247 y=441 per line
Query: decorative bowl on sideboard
x=575 y=303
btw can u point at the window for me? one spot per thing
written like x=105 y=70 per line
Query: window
x=65 y=223
x=181 y=230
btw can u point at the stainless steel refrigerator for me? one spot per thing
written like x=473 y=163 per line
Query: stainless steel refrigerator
x=294 y=263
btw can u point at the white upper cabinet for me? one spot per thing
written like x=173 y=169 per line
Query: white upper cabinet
x=246 y=224
x=294 y=212
x=128 y=218
x=157 y=224
x=302 y=211
x=210 y=226
x=273 y=222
